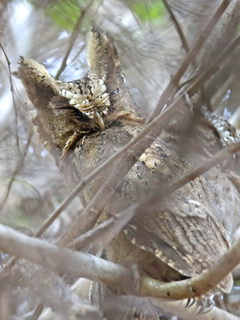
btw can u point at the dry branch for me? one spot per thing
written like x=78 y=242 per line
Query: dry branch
x=73 y=38
x=74 y=263
x=174 y=83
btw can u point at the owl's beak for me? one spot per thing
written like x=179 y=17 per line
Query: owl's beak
x=99 y=120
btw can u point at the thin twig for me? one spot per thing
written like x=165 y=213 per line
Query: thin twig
x=18 y=168
x=37 y=312
x=188 y=60
x=72 y=39
x=227 y=31
x=219 y=40
x=13 y=97
x=177 y=26
x=213 y=66
x=105 y=231
x=89 y=216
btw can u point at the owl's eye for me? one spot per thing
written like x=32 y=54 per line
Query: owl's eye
x=85 y=102
x=114 y=92
x=67 y=94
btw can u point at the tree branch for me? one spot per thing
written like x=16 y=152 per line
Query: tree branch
x=189 y=59
x=62 y=260
x=177 y=25
x=74 y=263
x=13 y=97
x=73 y=38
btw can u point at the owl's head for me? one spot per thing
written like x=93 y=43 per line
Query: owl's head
x=88 y=95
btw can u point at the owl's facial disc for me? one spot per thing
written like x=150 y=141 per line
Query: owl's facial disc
x=91 y=99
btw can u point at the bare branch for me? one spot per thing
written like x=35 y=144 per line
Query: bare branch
x=37 y=312
x=89 y=216
x=18 y=168
x=213 y=66
x=12 y=91
x=105 y=231
x=63 y=260
x=73 y=39
x=189 y=59
x=177 y=26
x=74 y=263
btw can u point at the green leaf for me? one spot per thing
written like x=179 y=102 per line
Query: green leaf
x=64 y=13
x=149 y=10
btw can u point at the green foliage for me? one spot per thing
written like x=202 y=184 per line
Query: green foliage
x=64 y=13
x=148 y=10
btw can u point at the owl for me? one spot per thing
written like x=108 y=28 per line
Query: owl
x=85 y=121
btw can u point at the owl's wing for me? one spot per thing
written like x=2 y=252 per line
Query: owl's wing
x=183 y=233
x=189 y=245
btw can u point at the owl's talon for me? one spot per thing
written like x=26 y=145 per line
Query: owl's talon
x=190 y=302
x=206 y=305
